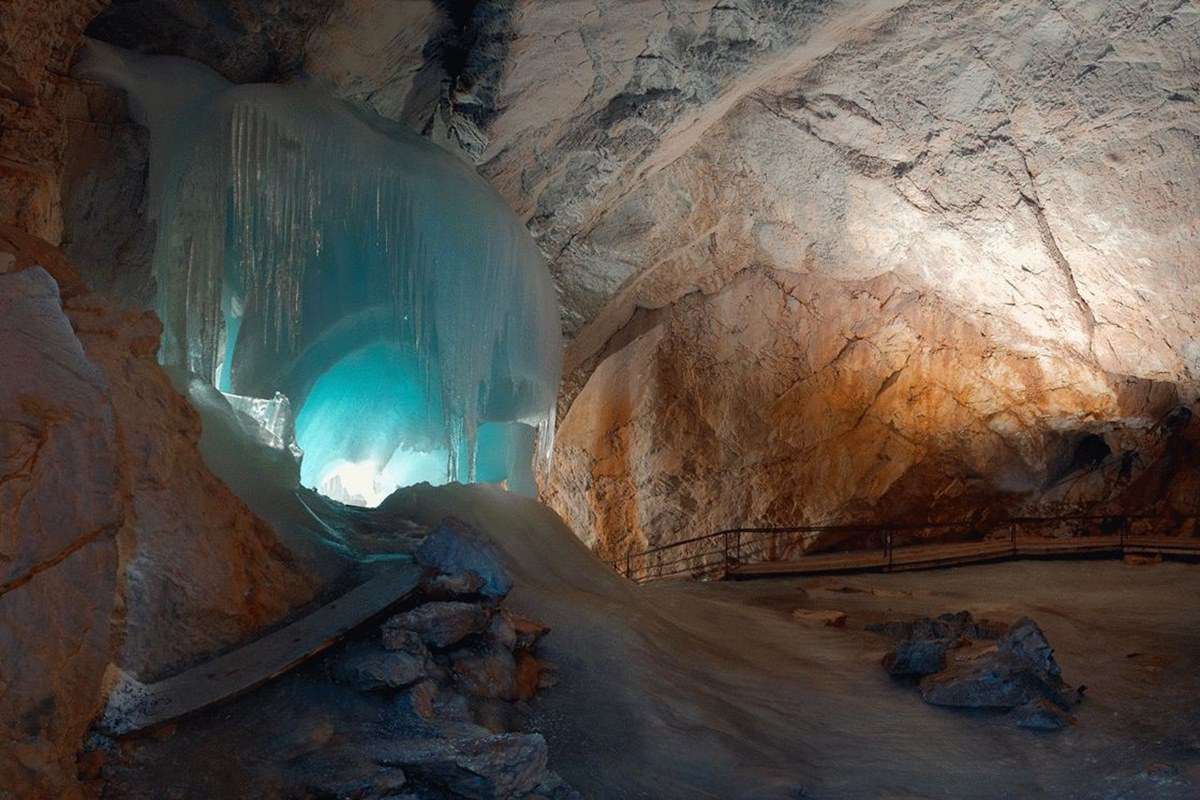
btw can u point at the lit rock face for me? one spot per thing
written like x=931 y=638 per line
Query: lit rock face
x=786 y=397
x=110 y=525
x=903 y=275
x=861 y=259
x=1020 y=174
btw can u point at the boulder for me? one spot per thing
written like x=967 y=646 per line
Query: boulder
x=489 y=672
x=441 y=586
x=553 y=787
x=369 y=668
x=439 y=624
x=1027 y=645
x=454 y=548
x=491 y=767
x=951 y=626
x=528 y=631
x=917 y=657
x=502 y=631
x=1020 y=669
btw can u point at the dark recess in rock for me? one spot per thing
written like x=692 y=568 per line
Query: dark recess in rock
x=247 y=41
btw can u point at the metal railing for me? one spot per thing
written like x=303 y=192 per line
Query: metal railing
x=868 y=546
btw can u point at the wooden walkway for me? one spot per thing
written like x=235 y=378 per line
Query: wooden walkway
x=947 y=555
x=135 y=706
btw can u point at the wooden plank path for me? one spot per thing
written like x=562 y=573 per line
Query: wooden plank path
x=946 y=555
x=135 y=706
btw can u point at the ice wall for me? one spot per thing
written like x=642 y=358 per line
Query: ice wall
x=308 y=248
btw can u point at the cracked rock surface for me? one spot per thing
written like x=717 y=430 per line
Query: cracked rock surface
x=738 y=197
x=109 y=521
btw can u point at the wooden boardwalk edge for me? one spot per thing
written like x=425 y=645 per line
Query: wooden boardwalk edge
x=935 y=556
x=134 y=706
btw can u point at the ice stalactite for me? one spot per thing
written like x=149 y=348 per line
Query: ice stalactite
x=307 y=248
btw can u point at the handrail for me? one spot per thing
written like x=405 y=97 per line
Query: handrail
x=729 y=550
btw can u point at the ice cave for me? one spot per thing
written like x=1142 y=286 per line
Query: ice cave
x=599 y=399
x=311 y=250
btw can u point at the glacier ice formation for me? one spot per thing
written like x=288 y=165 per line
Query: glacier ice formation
x=311 y=249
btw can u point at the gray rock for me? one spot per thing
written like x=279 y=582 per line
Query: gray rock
x=453 y=548
x=553 y=787
x=403 y=640
x=991 y=681
x=345 y=772
x=502 y=631
x=952 y=626
x=1020 y=669
x=1041 y=715
x=917 y=657
x=1027 y=644
x=439 y=624
x=451 y=587
x=484 y=768
x=368 y=668
x=489 y=672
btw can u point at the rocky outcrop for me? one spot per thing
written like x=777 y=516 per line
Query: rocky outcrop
x=392 y=712
x=893 y=277
x=247 y=41
x=37 y=41
x=964 y=663
x=786 y=398
x=109 y=521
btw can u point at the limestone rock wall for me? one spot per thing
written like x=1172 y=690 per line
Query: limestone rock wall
x=37 y=42
x=786 y=397
x=1023 y=173
x=117 y=546
x=899 y=276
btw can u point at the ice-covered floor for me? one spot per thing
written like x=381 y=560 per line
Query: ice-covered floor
x=712 y=690
x=686 y=690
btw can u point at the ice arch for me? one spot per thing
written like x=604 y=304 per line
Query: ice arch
x=308 y=248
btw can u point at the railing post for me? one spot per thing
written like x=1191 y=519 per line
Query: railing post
x=725 y=555
x=1012 y=537
x=888 y=544
x=628 y=565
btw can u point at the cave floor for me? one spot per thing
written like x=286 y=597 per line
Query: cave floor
x=683 y=690
x=1128 y=632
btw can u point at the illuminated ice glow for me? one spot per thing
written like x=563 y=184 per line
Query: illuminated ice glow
x=308 y=248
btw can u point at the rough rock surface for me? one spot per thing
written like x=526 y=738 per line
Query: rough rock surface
x=856 y=259
x=109 y=521
x=1018 y=671
x=925 y=642
x=967 y=664
x=439 y=624
x=379 y=716
x=454 y=549
x=913 y=257
x=37 y=41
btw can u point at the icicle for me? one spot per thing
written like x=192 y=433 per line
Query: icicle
x=330 y=232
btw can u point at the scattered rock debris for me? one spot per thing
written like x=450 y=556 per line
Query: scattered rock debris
x=831 y=619
x=432 y=703
x=962 y=662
